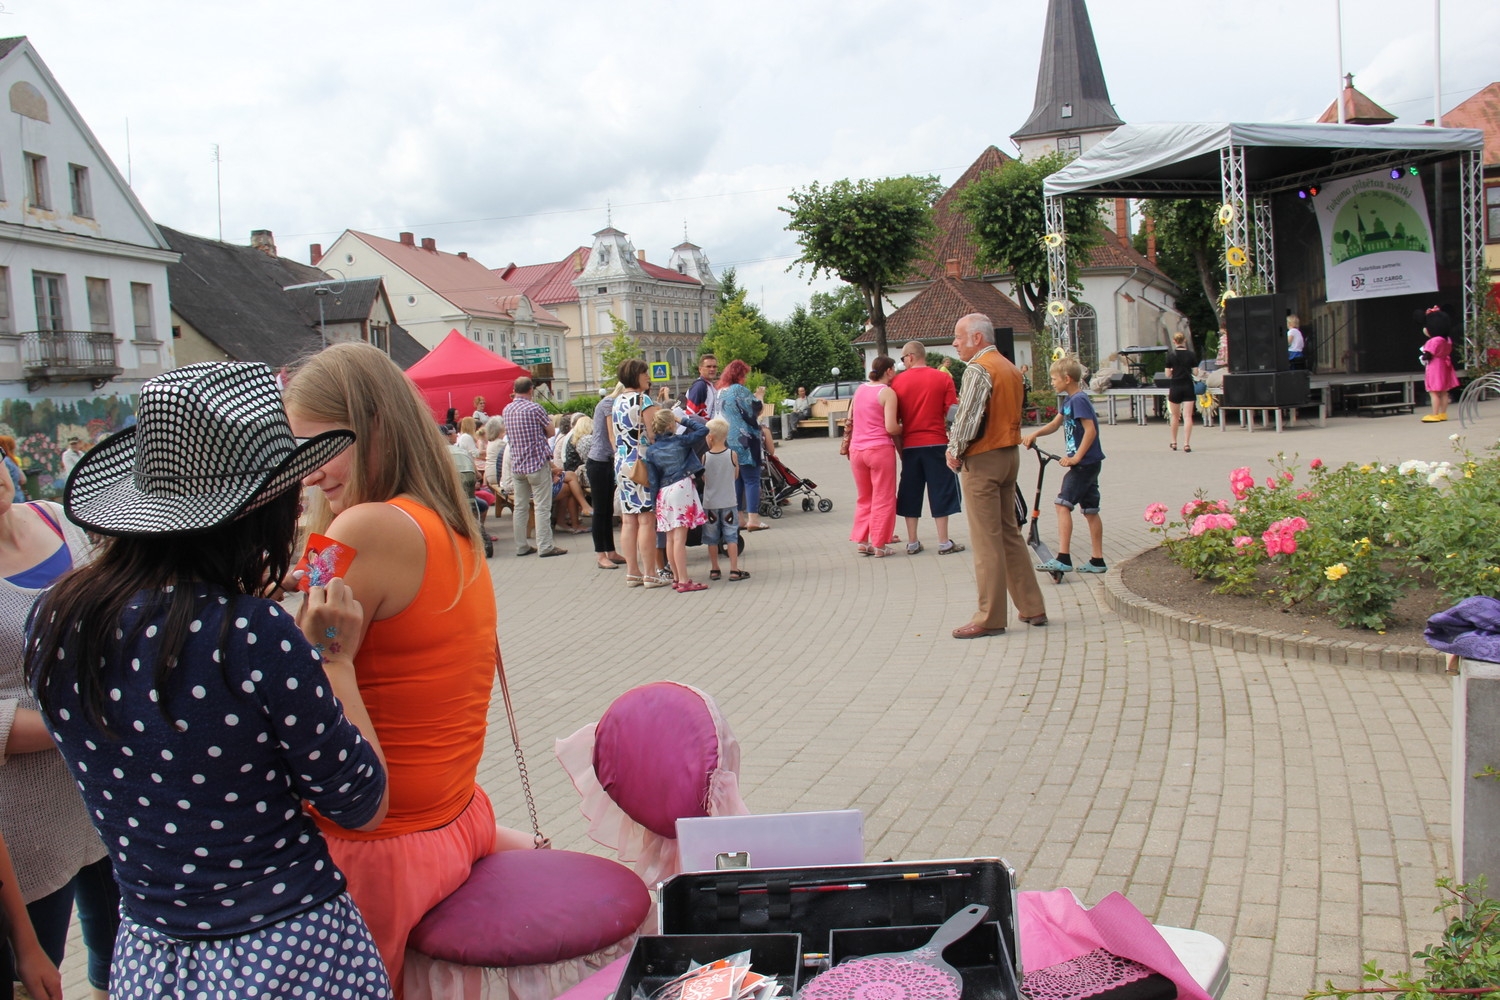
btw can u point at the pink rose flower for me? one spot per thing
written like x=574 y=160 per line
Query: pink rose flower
x=1241 y=481
x=1304 y=495
x=1287 y=476
x=1240 y=541
x=1156 y=513
x=1316 y=463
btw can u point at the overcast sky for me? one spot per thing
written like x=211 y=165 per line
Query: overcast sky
x=504 y=129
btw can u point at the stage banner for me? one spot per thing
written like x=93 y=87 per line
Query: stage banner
x=1376 y=236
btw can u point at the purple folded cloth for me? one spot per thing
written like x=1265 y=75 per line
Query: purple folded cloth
x=1471 y=629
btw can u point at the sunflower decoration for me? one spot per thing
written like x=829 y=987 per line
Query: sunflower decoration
x=1229 y=293
x=1057 y=307
x=1226 y=214
x=1236 y=257
x=1058 y=354
x=1052 y=241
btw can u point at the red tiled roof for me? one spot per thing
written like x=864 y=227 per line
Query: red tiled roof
x=1358 y=110
x=464 y=281
x=953 y=229
x=1482 y=111
x=955 y=240
x=667 y=273
x=548 y=284
x=931 y=315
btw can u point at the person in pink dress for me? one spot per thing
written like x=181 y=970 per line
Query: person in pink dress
x=871 y=446
x=1437 y=355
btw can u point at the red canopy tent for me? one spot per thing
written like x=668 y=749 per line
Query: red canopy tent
x=457 y=370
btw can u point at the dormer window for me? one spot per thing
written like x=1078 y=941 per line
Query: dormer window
x=1067 y=111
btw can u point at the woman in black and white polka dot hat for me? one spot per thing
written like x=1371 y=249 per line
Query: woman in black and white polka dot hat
x=199 y=718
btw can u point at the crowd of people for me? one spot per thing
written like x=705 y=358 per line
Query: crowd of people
x=234 y=793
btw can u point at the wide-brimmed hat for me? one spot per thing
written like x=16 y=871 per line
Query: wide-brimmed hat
x=211 y=443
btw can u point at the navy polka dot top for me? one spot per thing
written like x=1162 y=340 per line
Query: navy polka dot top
x=201 y=808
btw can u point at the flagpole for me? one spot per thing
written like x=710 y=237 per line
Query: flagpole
x=1437 y=63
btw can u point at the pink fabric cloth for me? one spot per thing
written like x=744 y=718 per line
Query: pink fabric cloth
x=1055 y=927
x=1440 y=375
x=712 y=775
x=874 y=471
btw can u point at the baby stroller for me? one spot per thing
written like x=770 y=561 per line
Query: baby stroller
x=778 y=485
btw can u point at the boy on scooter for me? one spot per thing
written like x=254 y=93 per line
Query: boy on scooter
x=1080 y=487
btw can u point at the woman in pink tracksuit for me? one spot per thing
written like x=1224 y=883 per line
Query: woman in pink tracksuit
x=872 y=432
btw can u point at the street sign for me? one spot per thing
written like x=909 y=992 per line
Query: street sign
x=531 y=355
x=661 y=371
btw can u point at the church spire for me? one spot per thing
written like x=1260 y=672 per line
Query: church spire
x=1071 y=96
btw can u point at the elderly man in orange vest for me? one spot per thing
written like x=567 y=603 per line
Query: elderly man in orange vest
x=985 y=444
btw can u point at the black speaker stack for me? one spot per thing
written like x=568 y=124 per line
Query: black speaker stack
x=1005 y=342
x=1259 y=372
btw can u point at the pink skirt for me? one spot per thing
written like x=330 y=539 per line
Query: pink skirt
x=677 y=506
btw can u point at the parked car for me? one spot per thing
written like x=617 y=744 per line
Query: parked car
x=830 y=397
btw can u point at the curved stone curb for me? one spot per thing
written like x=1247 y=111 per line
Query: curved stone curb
x=1268 y=642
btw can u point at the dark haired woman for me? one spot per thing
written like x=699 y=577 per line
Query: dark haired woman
x=1437 y=355
x=873 y=426
x=199 y=719
x=629 y=425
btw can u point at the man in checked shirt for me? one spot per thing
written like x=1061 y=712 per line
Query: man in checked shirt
x=985 y=445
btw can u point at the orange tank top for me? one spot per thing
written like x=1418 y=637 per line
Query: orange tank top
x=425 y=675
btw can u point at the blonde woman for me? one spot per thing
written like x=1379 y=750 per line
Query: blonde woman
x=427 y=662
x=1181 y=360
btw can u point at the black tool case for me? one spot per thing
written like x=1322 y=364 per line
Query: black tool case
x=811 y=902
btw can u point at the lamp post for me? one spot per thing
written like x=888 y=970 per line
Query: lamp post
x=835 y=373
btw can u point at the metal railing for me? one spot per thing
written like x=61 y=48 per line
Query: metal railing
x=69 y=355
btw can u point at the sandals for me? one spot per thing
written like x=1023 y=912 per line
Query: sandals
x=950 y=548
x=912 y=548
x=654 y=582
x=864 y=549
x=633 y=581
x=688 y=587
x=736 y=575
x=1173 y=446
x=880 y=552
x=1187 y=447
x=714 y=574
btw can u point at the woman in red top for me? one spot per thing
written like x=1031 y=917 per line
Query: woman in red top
x=427 y=661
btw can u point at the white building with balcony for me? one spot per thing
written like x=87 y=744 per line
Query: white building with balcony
x=84 y=316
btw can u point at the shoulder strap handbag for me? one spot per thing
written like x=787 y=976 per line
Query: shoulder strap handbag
x=537 y=838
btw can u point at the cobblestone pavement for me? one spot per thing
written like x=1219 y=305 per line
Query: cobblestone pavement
x=1298 y=812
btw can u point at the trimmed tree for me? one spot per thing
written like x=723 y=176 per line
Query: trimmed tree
x=866 y=232
x=1005 y=209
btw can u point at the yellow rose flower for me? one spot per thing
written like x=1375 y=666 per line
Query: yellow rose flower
x=1336 y=572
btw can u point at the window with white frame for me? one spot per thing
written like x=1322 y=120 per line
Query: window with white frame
x=7 y=327
x=1492 y=212
x=100 y=320
x=640 y=318
x=140 y=308
x=1070 y=145
x=36 y=182
x=78 y=190
x=48 y=291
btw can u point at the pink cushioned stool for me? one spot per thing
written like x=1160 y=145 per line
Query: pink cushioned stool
x=526 y=925
x=660 y=752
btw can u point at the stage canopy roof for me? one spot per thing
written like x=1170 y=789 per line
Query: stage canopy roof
x=1183 y=159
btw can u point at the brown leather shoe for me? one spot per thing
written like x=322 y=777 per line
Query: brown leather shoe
x=1037 y=620
x=975 y=631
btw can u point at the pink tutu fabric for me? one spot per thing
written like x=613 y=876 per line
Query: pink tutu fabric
x=669 y=728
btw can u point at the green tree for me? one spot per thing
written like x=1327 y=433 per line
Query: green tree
x=841 y=315
x=1188 y=245
x=1005 y=209
x=618 y=351
x=866 y=232
x=735 y=333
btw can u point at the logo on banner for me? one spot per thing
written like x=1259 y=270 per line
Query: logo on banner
x=1377 y=238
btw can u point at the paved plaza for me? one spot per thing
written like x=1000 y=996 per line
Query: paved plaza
x=1299 y=812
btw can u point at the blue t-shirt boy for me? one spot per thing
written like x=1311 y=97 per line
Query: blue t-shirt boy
x=1076 y=409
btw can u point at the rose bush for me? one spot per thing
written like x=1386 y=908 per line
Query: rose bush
x=1354 y=538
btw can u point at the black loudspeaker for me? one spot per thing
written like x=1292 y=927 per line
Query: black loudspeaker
x=1123 y=380
x=1005 y=342
x=1257 y=332
x=1291 y=388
